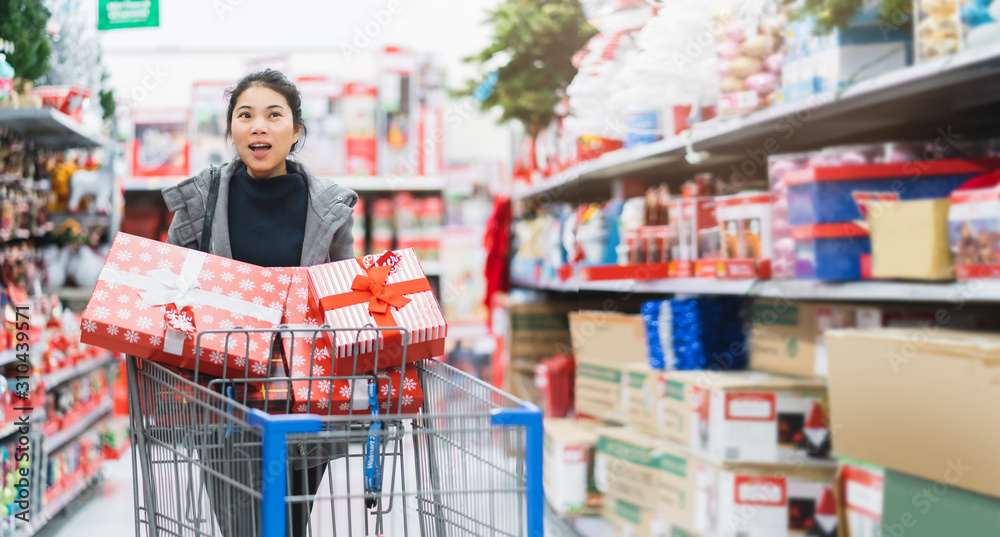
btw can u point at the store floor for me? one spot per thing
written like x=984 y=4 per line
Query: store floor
x=106 y=509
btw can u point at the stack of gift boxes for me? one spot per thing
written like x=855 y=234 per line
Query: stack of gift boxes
x=342 y=324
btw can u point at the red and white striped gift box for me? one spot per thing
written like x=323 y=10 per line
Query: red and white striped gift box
x=387 y=290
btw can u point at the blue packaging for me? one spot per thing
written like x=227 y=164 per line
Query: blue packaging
x=708 y=333
x=828 y=202
x=641 y=127
x=830 y=258
x=651 y=317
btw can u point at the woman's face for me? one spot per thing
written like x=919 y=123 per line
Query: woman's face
x=263 y=131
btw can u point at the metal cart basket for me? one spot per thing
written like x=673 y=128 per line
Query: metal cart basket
x=213 y=457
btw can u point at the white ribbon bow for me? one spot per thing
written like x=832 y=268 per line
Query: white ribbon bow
x=177 y=290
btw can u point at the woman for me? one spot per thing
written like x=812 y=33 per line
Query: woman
x=272 y=212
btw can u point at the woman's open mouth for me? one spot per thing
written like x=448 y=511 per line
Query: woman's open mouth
x=260 y=149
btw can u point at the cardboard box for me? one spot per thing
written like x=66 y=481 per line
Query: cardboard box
x=879 y=502
x=569 y=465
x=627 y=465
x=788 y=337
x=748 y=416
x=535 y=331
x=640 y=397
x=631 y=520
x=604 y=343
x=910 y=239
x=919 y=400
x=862 y=492
x=649 y=474
x=755 y=501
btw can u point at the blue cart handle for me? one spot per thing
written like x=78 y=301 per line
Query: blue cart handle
x=274 y=460
x=530 y=417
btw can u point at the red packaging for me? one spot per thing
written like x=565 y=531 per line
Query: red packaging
x=389 y=290
x=152 y=298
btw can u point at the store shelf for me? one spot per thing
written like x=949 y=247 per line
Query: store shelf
x=49 y=127
x=51 y=380
x=34 y=419
x=963 y=291
x=67 y=498
x=392 y=184
x=860 y=291
x=58 y=440
x=954 y=93
x=674 y=286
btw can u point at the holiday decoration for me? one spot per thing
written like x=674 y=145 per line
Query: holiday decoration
x=384 y=291
x=152 y=299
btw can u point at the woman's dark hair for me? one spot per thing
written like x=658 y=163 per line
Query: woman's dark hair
x=272 y=80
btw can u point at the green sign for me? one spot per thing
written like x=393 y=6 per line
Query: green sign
x=116 y=14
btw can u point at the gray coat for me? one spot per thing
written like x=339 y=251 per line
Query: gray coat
x=327 y=237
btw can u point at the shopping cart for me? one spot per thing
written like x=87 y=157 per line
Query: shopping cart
x=207 y=463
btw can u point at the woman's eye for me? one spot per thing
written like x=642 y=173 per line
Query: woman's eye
x=275 y=114
x=244 y=114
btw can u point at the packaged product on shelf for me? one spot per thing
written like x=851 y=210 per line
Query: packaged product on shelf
x=383 y=225
x=554 y=378
x=707 y=332
x=431 y=218
x=405 y=212
x=974 y=232
x=946 y=27
x=750 y=61
x=639 y=396
x=827 y=205
x=387 y=290
x=569 y=465
x=783 y=257
x=537 y=330
x=654 y=488
x=359 y=101
x=657 y=316
x=781 y=502
x=604 y=344
x=748 y=417
x=324 y=154
x=862 y=489
x=789 y=337
x=879 y=501
x=918 y=380
x=818 y=65
x=745 y=228
x=695 y=221
x=152 y=298
x=910 y=240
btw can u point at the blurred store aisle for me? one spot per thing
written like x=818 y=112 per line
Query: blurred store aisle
x=105 y=510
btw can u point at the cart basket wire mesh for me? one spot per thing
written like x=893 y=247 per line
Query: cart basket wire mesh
x=227 y=457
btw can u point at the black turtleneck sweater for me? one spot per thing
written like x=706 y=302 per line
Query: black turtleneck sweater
x=267 y=219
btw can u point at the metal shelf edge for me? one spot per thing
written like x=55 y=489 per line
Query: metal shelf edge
x=52 y=380
x=60 y=439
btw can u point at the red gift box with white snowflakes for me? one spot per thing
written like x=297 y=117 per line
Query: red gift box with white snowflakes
x=152 y=299
x=386 y=291
x=308 y=355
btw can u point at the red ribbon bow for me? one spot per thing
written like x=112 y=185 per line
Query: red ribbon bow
x=381 y=296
